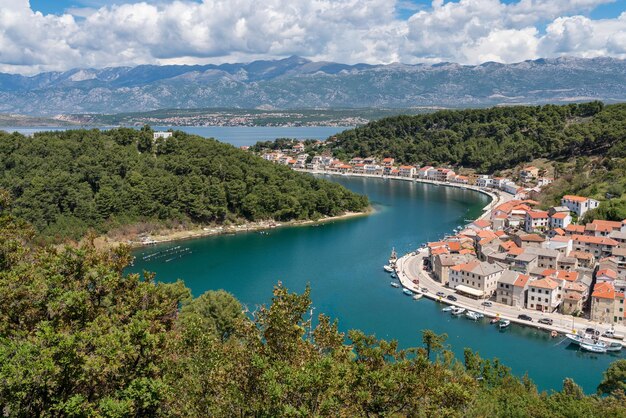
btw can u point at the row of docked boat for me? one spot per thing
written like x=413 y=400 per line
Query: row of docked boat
x=592 y=344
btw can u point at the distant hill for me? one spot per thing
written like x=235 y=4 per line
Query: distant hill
x=299 y=83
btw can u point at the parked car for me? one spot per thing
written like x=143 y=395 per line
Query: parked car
x=546 y=321
x=424 y=290
x=525 y=317
x=441 y=294
x=452 y=298
x=487 y=303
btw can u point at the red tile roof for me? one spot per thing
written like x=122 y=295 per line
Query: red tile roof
x=537 y=214
x=608 y=273
x=481 y=223
x=521 y=280
x=604 y=290
x=545 y=283
x=531 y=238
x=574 y=198
x=574 y=229
x=570 y=276
x=595 y=240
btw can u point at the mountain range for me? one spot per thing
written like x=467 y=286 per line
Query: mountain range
x=296 y=82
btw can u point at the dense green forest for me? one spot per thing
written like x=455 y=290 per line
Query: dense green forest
x=80 y=338
x=491 y=139
x=66 y=183
x=586 y=141
x=601 y=178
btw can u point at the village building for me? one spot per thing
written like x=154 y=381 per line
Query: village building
x=600 y=228
x=598 y=246
x=536 y=220
x=161 y=135
x=578 y=204
x=584 y=259
x=529 y=173
x=560 y=220
x=407 y=171
x=477 y=279
x=423 y=171
x=512 y=288
x=544 y=295
x=606 y=275
x=574 y=296
x=443 y=262
x=607 y=305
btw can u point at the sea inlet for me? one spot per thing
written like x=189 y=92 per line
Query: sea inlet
x=343 y=263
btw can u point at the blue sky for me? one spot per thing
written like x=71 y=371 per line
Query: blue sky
x=61 y=6
x=44 y=35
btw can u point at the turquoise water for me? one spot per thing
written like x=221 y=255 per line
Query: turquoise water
x=343 y=263
x=234 y=135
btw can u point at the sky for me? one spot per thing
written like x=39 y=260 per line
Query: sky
x=56 y=35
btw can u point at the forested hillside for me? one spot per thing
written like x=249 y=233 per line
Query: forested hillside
x=66 y=183
x=79 y=338
x=491 y=139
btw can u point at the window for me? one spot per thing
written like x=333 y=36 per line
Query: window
x=532 y=298
x=546 y=300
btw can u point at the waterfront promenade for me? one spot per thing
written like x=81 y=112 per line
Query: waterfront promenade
x=410 y=270
x=497 y=196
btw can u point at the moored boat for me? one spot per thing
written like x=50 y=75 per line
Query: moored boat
x=458 y=311
x=393 y=275
x=593 y=348
x=407 y=292
x=494 y=320
x=417 y=296
x=578 y=340
x=614 y=347
x=447 y=309
x=472 y=315
x=394 y=284
x=393 y=257
x=388 y=268
x=504 y=323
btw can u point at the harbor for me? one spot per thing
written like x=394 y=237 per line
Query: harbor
x=411 y=275
x=349 y=284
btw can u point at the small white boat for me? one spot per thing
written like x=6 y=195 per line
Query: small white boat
x=472 y=315
x=395 y=284
x=494 y=320
x=578 y=340
x=393 y=257
x=388 y=268
x=458 y=311
x=594 y=348
x=417 y=296
x=407 y=292
x=447 y=309
x=504 y=323
x=393 y=275
x=614 y=347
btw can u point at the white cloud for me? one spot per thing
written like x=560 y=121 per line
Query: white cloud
x=182 y=31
